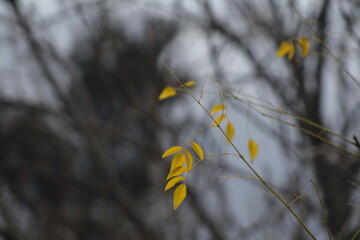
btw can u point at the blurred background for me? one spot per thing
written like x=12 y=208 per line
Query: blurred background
x=82 y=130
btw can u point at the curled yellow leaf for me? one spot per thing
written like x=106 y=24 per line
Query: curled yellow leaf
x=253 y=149
x=286 y=47
x=172 y=182
x=304 y=45
x=189 y=159
x=230 y=131
x=178 y=160
x=167 y=92
x=171 y=151
x=219 y=119
x=176 y=172
x=217 y=108
x=190 y=83
x=198 y=150
x=179 y=195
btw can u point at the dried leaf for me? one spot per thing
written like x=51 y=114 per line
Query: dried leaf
x=230 y=131
x=217 y=108
x=176 y=172
x=198 y=150
x=253 y=149
x=167 y=92
x=304 y=45
x=179 y=195
x=171 y=151
x=190 y=83
x=178 y=161
x=189 y=159
x=219 y=119
x=172 y=182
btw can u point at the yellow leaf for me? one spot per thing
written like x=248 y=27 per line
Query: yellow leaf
x=177 y=161
x=217 y=108
x=172 y=182
x=283 y=49
x=179 y=195
x=253 y=149
x=304 y=45
x=189 y=159
x=291 y=51
x=198 y=150
x=219 y=119
x=190 y=83
x=230 y=131
x=176 y=172
x=167 y=92
x=286 y=47
x=171 y=151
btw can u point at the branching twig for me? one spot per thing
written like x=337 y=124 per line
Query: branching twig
x=282 y=200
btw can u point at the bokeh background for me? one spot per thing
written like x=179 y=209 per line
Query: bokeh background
x=82 y=130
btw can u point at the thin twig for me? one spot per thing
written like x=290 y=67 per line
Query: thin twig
x=354 y=184
x=239 y=176
x=356 y=234
x=354 y=206
x=300 y=197
x=324 y=220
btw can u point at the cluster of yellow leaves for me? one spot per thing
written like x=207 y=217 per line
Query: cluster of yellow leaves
x=230 y=130
x=288 y=47
x=181 y=163
x=170 y=91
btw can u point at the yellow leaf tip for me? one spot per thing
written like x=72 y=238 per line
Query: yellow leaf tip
x=219 y=119
x=176 y=172
x=217 y=108
x=172 y=151
x=230 y=131
x=286 y=47
x=198 y=150
x=253 y=149
x=189 y=83
x=188 y=159
x=167 y=92
x=172 y=182
x=179 y=195
x=304 y=45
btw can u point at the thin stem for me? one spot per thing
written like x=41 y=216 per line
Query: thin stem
x=224 y=153
x=354 y=206
x=312 y=134
x=356 y=234
x=300 y=197
x=250 y=177
x=354 y=184
x=324 y=220
x=301 y=119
